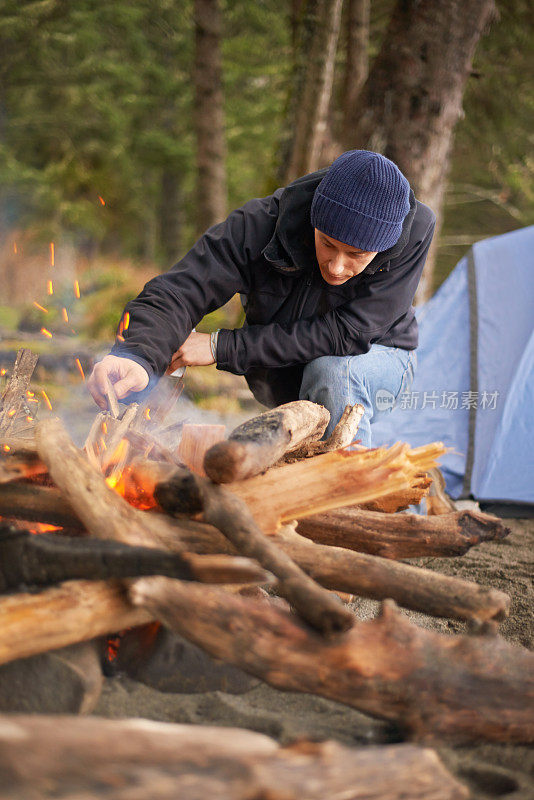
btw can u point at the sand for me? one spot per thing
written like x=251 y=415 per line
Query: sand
x=490 y=770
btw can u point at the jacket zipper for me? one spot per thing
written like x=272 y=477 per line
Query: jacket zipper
x=304 y=297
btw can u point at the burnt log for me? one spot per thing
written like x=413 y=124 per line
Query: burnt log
x=461 y=688
x=403 y=535
x=120 y=759
x=260 y=442
x=27 y=561
x=190 y=494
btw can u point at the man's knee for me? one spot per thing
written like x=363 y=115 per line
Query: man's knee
x=324 y=371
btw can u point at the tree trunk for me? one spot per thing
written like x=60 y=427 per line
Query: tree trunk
x=356 y=60
x=209 y=115
x=313 y=85
x=170 y=217
x=412 y=98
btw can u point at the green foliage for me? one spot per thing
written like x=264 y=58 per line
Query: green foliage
x=491 y=187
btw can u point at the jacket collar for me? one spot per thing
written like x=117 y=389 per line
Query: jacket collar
x=292 y=247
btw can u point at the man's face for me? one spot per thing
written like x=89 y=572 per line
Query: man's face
x=339 y=262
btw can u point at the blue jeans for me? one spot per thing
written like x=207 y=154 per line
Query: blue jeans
x=375 y=379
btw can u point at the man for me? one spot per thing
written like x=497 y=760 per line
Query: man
x=328 y=267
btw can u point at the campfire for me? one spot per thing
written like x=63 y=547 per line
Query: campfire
x=132 y=524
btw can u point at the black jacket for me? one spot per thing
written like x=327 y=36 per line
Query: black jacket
x=265 y=251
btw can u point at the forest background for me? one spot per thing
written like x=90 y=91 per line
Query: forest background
x=126 y=128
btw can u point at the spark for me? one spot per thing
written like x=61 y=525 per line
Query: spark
x=7 y=448
x=50 y=287
x=30 y=394
x=104 y=428
x=52 y=255
x=102 y=201
x=76 y=289
x=80 y=368
x=147 y=413
x=3 y=372
x=64 y=315
x=121 y=327
x=120 y=338
x=29 y=418
x=102 y=443
x=46 y=333
x=40 y=307
x=126 y=320
x=15 y=249
x=47 y=401
x=12 y=413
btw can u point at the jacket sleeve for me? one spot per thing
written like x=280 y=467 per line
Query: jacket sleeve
x=163 y=315
x=350 y=329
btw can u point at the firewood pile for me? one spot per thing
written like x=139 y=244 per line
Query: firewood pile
x=192 y=536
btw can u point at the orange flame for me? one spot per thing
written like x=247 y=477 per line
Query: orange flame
x=126 y=320
x=76 y=289
x=64 y=315
x=46 y=333
x=44 y=527
x=7 y=448
x=3 y=372
x=120 y=338
x=47 y=401
x=12 y=412
x=102 y=201
x=29 y=418
x=80 y=368
x=52 y=256
x=40 y=307
x=30 y=394
x=50 y=287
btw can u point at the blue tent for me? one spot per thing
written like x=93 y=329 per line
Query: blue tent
x=474 y=384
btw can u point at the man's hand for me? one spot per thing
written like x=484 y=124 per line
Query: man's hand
x=195 y=352
x=125 y=375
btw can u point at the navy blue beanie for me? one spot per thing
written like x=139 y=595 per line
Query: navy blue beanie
x=362 y=201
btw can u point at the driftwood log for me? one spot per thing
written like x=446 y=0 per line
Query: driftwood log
x=191 y=494
x=27 y=560
x=260 y=442
x=106 y=515
x=19 y=459
x=73 y=612
x=342 y=436
x=431 y=685
x=403 y=535
x=123 y=759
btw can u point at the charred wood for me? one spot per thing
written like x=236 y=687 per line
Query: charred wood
x=27 y=561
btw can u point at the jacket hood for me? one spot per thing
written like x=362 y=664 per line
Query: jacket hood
x=292 y=247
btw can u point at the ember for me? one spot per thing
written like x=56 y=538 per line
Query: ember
x=49 y=287
x=40 y=307
x=46 y=333
x=65 y=315
x=80 y=368
x=52 y=255
x=46 y=399
x=76 y=287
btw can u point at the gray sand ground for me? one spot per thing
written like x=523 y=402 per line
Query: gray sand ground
x=490 y=770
